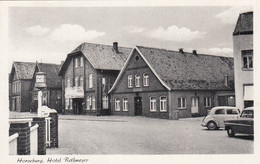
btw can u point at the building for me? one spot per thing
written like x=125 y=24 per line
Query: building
x=243 y=60
x=51 y=95
x=20 y=80
x=88 y=73
x=160 y=83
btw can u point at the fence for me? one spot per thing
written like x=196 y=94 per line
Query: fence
x=13 y=144
x=34 y=139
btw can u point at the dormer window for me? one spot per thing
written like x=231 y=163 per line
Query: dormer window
x=137 y=80
x=145 y=79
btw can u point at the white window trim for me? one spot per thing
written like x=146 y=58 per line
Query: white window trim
x=183 y=107
x=137 y=80
x=117 y=104
x=76 y=81
x=105 y=102
x=93 y=102
x=154 y=104
x=146 y=80
x=90 y=81
x=125 y=104
x=76 y=62
x=81 y=61
x=208 y=101
x=165 y=101
x=130 y=79
x=247 y=60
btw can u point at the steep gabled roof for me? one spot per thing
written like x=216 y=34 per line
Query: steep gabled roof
x=53 y=80
x=186 y=71
x=100 y=56
x=244 y=24
x=24 y=70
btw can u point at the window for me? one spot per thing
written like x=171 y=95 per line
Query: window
x=137 y=80
x=248 y=113
x=163 y=105
x=81 y=81
x=247 y=56
x=67 y=103
x=117 y=104
x=70 y=103
x=182 y=103
x=89 y=101
x=220 y=111
x=68 y=82
x=152 y=104
x=125 y=104
x=232 y=111
x=145 y=79
x=105 y=102
x=207 y=101
x=93 y=102
x=130 y=77
x=103 y=81
x=76 y=81
x=90 y=81
x=81 y=61
x=76 y=62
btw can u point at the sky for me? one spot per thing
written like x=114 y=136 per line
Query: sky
x=48 y=34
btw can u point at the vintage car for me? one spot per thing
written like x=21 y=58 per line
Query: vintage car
x=217 y=115
x=242 y=125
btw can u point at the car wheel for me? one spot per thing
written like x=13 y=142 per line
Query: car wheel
x=230 y=132
x=212 y=125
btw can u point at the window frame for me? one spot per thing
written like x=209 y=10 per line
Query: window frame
x=76 y=62
x=245 y=54
x=81 y=61
x=207 y=102
x=93 y=104
x=105 y=101
x=137 y=81
x=117 y=104
x=125 y=104
x=90 y=80
x=165 y=102
x=185 y=100
x=129 y=81
x=145 y=79
x=154 y=109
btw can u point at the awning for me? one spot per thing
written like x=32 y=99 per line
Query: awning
x=249 y=93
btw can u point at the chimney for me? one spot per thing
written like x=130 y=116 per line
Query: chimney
x=115 y=46
x=181 y=51
x=194 y=52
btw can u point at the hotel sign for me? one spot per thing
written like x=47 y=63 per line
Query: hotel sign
x=74 y=93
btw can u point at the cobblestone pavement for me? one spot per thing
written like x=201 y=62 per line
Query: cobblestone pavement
x=80 y=134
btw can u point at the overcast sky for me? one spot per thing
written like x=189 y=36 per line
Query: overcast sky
x=49 y=34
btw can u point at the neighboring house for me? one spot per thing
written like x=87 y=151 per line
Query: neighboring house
x=51 y=95
x=243 y=60
x=20 y=80
x=160 y=83
x=87 y=75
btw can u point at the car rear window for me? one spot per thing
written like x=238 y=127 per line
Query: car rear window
x=248 y=113
x=232 y=111
x=220 y=111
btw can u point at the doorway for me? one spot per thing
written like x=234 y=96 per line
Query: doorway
x=138 y=106
x=77 y=105
x=194 y=105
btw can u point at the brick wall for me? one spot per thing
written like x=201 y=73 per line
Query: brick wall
x=23 y=142
x=54 y=130
x=41 y=134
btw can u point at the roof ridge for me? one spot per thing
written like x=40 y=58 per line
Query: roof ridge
x=103 y=44
x=184 y=52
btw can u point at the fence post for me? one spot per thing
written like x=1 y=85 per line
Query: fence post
x=41 y=134
x=54 y=129
x=23 y=142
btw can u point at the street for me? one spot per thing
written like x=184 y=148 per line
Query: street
x=81 y=134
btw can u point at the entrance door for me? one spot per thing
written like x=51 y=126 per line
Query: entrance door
x=194 y=105
x=77 y=104
x=138 y=106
